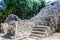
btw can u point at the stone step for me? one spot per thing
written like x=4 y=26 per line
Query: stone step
x=37 y=32
x=36 y=36
x=41 y=27
x=40 y=30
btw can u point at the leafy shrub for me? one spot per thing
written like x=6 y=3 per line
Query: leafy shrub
x=25 y=9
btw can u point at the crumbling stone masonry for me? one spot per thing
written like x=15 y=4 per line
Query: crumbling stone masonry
x=49 y=17
x=43 y=24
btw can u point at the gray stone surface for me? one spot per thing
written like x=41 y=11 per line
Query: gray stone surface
x=12 y=17
x=48 y=16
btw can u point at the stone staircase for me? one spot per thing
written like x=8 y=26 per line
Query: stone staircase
x=40 y=31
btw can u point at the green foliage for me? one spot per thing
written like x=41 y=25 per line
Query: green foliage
x=25 y=9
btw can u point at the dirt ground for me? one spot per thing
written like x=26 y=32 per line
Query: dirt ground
x=55 y=36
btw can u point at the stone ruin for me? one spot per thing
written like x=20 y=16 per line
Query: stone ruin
x=43 y=24
x=11 y=17
x=16 y=28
